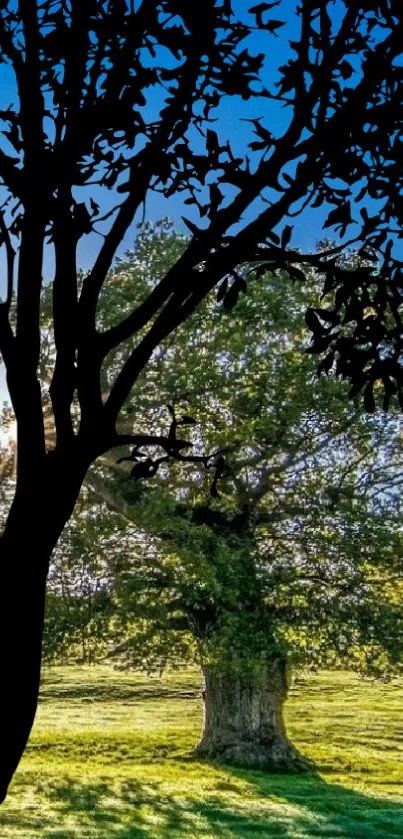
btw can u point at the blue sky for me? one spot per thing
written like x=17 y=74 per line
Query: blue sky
x=308 y=226
x=276 y=117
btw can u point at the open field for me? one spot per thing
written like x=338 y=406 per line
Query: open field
x=110 y=759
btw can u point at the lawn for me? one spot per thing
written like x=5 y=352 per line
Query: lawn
x=110 y=758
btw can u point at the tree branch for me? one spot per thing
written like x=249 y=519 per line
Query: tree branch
x=65 y=307
x=139 y=318
x=27 y=393
x=10 y=254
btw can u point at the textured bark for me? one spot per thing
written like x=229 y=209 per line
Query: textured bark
x=243 y=716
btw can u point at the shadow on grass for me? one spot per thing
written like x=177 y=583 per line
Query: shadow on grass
x=115 y=693
x=243 y=805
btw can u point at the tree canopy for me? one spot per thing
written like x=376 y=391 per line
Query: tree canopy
x=300 y=548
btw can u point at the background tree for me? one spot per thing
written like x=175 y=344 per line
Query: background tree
x=116 y=97
x=295 y=558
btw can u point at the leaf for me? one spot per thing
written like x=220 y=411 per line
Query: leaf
x=186 y=420
x=222 y=290
x=369 y=401
x=328 y=316
x=345 y=69
x=318 y=201
x=259 y=10
x=286 y=235
x=216 y=198
x=357 y=386
x=257 y=145
x=365 y=254
x=296 y=273
x=240 y=283
x=329 y=285
x=272 y=25
x=340 y=215
x=262 y=132
x=312 y=320
x=231 y=297
x=326 y=364
x=319 y=344
x=142 y=470
x=219 y=467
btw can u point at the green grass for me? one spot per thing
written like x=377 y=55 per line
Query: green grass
x=110 y=758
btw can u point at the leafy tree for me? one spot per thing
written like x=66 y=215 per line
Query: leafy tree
x=294 y=559
x=118 y=97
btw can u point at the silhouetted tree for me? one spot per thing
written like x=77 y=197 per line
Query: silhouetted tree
x=120 y=96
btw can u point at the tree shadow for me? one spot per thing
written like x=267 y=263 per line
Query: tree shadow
x=243 y=805
x=329 y=809
x=114 y=693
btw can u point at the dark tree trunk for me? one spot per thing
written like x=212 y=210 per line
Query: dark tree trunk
x=34 y=524
x=243 y=716
x=22 y=598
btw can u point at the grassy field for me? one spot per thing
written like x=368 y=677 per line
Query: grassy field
x=110 y=759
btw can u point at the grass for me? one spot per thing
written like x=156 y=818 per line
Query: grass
x=110 y=759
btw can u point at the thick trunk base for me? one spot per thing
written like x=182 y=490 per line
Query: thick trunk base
x=243 y=718
x=35 y=521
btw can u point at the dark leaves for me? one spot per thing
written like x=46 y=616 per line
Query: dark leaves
x=230 y=298
x=340 y=216
x=286 y=235
x=82 y=219
x=345 y=69
x=259 y=10
x=369 y=401
x=222 y=290
x=273 y=25
x=219 y=467
x=361 y=330
x=265 y=136
x=326 y=364
x=186 y=420
x=143 y=470
x=312 y=321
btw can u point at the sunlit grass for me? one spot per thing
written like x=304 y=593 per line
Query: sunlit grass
x=110 y=758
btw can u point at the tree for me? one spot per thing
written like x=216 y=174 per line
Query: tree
x=119 y=97
x=294 y=559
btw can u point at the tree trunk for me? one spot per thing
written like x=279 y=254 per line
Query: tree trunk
x=33 y=527
x=22 y=598
x=243 y=716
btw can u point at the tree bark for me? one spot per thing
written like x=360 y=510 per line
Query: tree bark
x=243 y=716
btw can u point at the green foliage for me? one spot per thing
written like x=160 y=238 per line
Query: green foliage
x=79 y=605
x=302 y=550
